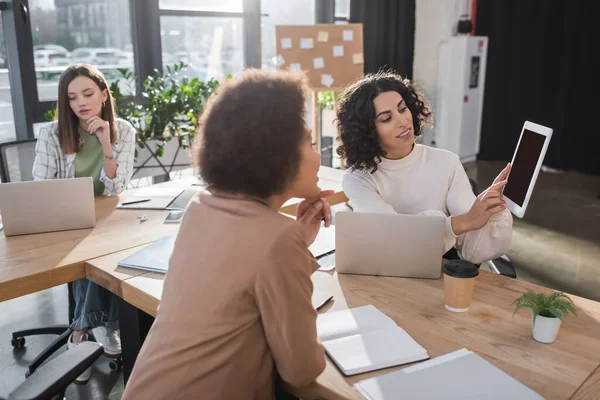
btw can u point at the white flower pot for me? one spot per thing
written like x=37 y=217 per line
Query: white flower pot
x=545 y=329
x=146 y=165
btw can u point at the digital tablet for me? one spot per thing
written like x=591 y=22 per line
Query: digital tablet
x=526 y=164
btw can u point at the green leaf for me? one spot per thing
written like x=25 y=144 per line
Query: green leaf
x=556 y=312
x=556 y=304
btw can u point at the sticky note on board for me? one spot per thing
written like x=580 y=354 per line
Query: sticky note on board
x=295 y=67
x=338 y=51
x=348 y=35
x=306 y=43
x=286 y=43
x=323 y=36
x=357 y=58
x=327 y=80
x=318 y=63
x=278 y=60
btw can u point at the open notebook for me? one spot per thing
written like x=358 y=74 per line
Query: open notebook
x=458 y=375
x=364 y=339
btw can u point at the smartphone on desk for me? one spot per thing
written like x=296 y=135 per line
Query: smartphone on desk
x=174 y=217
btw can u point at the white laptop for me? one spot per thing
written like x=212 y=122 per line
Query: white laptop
x=47 y=206
x=409 y=246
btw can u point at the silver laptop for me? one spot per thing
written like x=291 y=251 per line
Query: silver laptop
x=409 y=246
x=47 y=206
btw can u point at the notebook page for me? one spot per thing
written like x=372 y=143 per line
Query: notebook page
x=374 y=350
x=350 y=322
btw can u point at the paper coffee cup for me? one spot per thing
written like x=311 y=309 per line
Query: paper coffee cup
x=459 y=282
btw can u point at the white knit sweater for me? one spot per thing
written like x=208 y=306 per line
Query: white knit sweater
x=429 y=181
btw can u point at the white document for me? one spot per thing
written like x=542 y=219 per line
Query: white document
x=278 y=60
x=295 y=67
x=160 y=198
x=324 y=243
x=364 y=339
x=327 y=80
x=286 y=43
x=338 y=51
x=444 y=378
x=348 y=35
x=318 y=63
x=154 y=257
x=306 y=43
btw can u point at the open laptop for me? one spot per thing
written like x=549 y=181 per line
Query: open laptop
x=47 y=206
x=409 y=246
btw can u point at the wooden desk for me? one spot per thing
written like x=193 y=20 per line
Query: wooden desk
x=31 y=263
x=569 y=367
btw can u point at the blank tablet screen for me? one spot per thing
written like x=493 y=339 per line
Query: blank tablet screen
x=523 y=166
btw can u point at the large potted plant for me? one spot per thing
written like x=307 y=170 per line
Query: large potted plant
x=167 y=118
x=547 y=313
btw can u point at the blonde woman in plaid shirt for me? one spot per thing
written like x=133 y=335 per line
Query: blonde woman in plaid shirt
x=87 y=140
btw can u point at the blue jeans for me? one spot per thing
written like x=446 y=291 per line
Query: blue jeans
x=94 y=306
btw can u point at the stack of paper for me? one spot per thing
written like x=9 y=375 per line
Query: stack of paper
x=458 y=375
x=364 y=339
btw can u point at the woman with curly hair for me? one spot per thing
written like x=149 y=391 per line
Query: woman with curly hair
x=378 y=120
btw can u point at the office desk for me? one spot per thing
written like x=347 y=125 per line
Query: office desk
x=569 y=367
x=31 y=263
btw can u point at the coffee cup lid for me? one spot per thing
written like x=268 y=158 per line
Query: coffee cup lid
x=460 y=269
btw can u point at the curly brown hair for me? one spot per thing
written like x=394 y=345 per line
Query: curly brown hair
x=251 y=132
x=356 y=118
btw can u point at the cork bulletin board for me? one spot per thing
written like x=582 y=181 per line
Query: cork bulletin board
x=331 y=55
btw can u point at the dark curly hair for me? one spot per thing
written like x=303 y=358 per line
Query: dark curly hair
x=356 y=118
x=250 y=133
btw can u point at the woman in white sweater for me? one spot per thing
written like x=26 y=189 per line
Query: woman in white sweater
x=378 y=119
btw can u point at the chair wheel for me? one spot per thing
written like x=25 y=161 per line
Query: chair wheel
x=116 y=365
x=18 y=343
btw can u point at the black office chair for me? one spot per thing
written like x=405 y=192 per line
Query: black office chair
x=16 y=160
x=50 y=381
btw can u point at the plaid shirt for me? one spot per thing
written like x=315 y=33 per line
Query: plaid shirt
x=51 y=163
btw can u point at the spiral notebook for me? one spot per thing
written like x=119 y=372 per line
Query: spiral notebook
x=364 y=339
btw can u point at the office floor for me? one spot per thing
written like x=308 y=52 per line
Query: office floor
x=557 y=245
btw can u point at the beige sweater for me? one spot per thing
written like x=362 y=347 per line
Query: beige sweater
x=235 y=309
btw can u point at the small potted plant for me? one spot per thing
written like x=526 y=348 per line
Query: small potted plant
x=547 y=311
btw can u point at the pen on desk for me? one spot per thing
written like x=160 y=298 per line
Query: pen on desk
x=324 y=303
x=134 y=202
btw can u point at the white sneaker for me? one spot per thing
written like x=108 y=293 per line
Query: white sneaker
x=85 y=376
x=110 y=339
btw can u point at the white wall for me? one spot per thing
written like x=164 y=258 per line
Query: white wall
x=436 y=21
